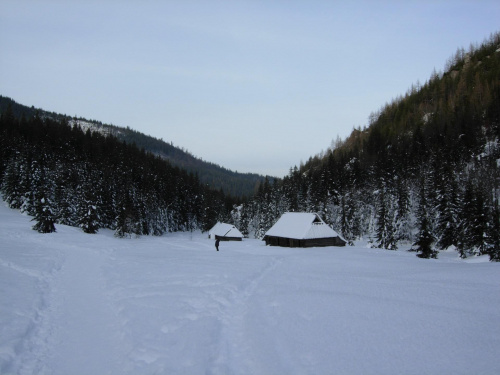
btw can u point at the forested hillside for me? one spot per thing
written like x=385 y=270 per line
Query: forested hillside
x=425 y=171
x=59 y=174
x=232 y=183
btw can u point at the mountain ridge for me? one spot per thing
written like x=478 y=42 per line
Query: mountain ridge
x=425 y=171
x=232 y=183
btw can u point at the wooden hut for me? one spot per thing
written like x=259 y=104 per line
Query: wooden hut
x=301 y=229
x=225 y=232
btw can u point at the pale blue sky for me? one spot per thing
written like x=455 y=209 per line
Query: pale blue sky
x=255 y=86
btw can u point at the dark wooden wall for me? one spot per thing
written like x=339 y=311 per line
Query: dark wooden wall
x=314 y=242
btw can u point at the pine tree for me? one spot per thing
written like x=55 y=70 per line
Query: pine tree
x=348 y=225
x=493 y=234
x=126 y=221
x=265 y=209
x=43 y=206
x=89 y=217
x=44 y=216
x=244 y=221
x=425 y=240
x=65 y=196
x=423 y=244
x=386 y=238
x=88 y=214
x=447 y=211
x=480 y=224
x=473 y=222
x=11 y=187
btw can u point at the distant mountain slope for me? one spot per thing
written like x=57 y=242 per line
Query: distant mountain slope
x=232 y=183
x=426 y=171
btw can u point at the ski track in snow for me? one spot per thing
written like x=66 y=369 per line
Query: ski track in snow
x=32 y=270
x=78 y=332
x=232 y=346
x=27 y=271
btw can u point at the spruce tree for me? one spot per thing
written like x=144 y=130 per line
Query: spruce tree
x=88 y=215
x=11 y=187
x=89 y=219
x=43 y=206
x=423 y=244
x=473 y=222
x=385 y=228
x=244 y=221
x=126 y=221
x=44 y=216
x=480 y=224
x=347 y=221
x=465 y=231
x=446 y=222
x=402 y=216
x=493 y=234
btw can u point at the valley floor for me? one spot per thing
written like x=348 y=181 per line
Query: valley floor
x=73 y=303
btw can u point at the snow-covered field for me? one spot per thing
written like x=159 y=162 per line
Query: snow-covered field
x=73 y=303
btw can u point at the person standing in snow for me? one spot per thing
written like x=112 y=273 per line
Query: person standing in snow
x=217 y=244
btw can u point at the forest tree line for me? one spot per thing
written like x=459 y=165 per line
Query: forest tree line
x=60 y=175
x=233 y=183
x=424 y=172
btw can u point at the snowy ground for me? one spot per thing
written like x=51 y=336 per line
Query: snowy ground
x=73 y=303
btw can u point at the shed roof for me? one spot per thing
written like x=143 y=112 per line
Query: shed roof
x=225 y=230
x=301 y=226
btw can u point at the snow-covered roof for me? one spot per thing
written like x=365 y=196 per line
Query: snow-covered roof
x=224 y=230
x=301 y=226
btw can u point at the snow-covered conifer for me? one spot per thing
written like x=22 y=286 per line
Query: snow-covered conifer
x=425 y=240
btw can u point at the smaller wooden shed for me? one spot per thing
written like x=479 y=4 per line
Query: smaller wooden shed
x=302 y=229
x=225 y=232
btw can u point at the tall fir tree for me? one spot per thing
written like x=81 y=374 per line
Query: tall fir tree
x=493 y=234
x=447 y=211
x=44 y=217
x=473 y=223
x=423 y=244
x=44 y=214
x=385 y=234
